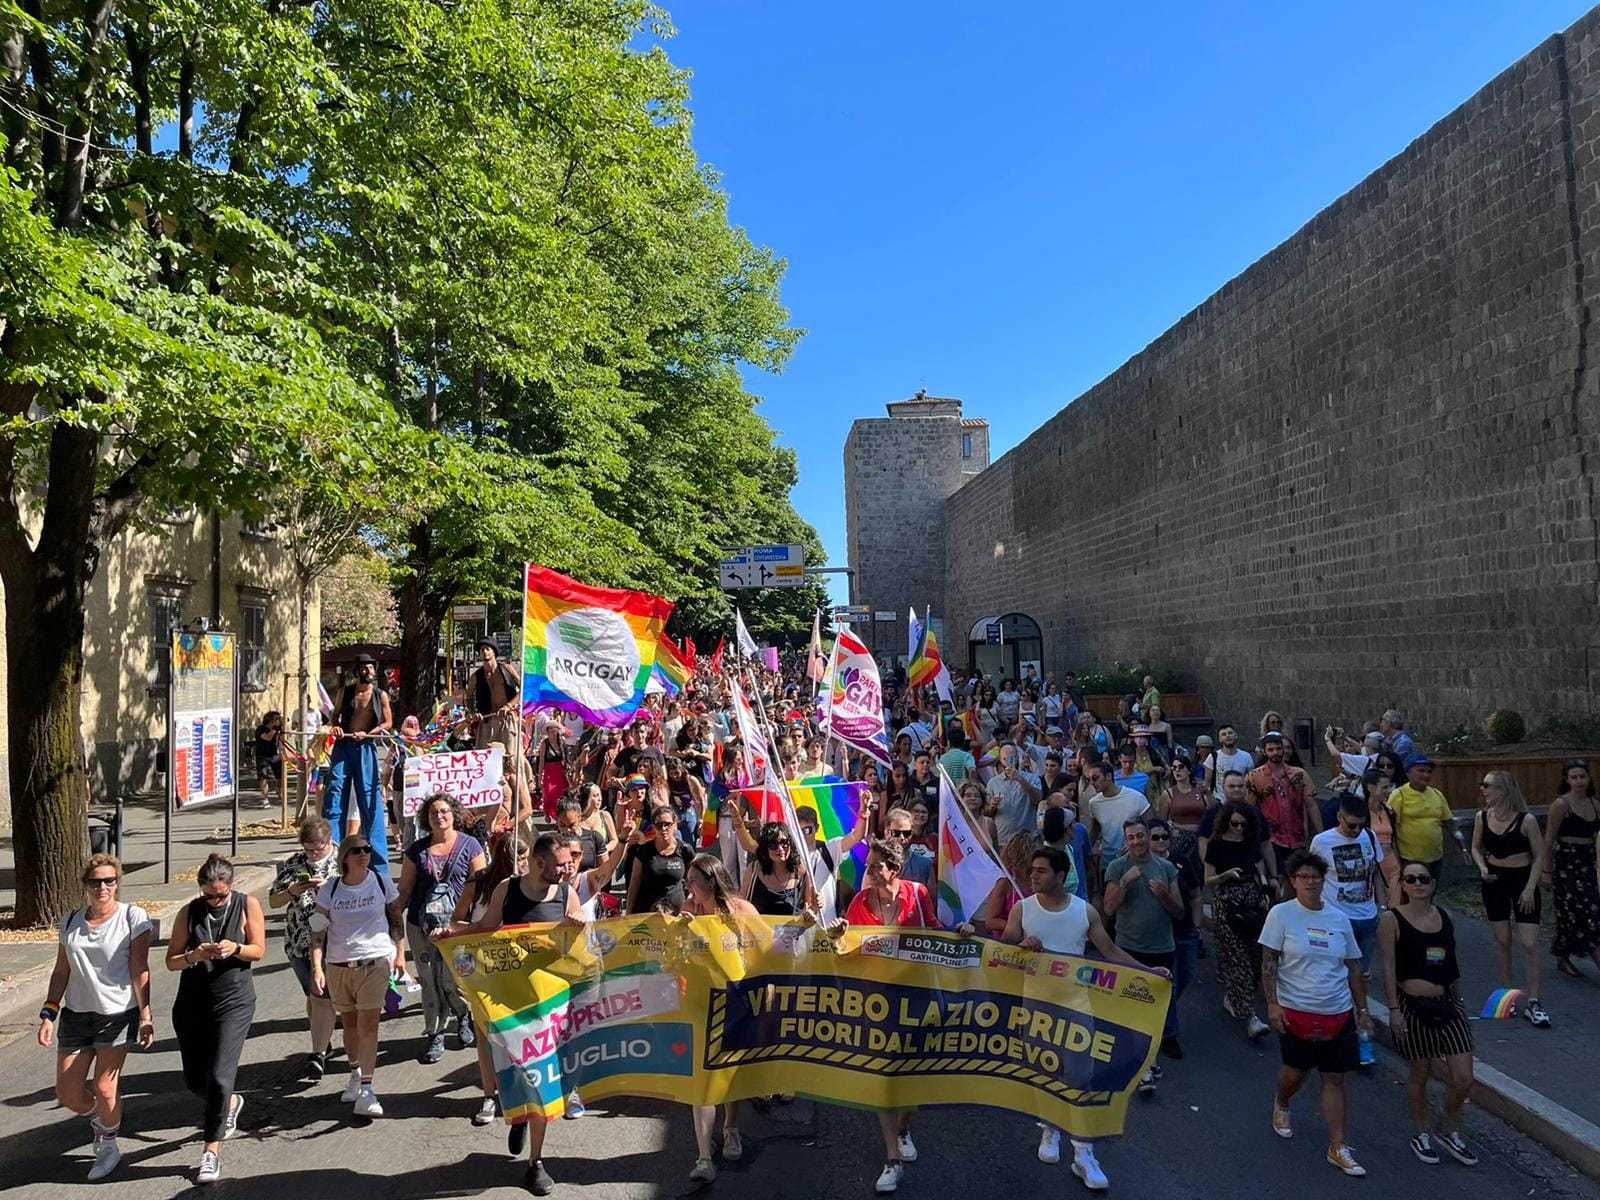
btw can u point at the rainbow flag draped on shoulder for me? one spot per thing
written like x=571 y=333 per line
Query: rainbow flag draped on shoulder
x=587 y=650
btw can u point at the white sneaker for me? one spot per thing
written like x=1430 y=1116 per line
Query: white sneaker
x=906 y=1147
x=210 y=1168
x=1087 y=1168
x=107 y=1154
x=352 y=1089
x=1255 y=1027
x=367 y=1104
x=1050 y=1145
x=889 y=1181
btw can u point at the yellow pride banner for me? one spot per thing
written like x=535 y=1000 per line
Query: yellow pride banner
x=706 y=1009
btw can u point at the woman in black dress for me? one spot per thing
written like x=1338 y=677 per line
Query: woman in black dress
x=215 y=940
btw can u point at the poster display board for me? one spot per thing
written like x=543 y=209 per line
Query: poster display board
x=202 y=718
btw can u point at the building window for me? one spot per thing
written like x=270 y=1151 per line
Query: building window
x=252 y=643
x=166 y=612
x=966 y=445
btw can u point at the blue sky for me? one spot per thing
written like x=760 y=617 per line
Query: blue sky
x=1003 y=203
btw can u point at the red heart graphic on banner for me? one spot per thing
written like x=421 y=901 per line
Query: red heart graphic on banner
x=679 y=1048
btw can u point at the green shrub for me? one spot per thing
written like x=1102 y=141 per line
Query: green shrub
x=1123 y=678
x=1505 y=726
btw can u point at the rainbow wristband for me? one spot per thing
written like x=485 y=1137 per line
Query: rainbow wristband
x=50 y=1011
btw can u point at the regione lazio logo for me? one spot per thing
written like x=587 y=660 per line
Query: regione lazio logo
x=592 y=656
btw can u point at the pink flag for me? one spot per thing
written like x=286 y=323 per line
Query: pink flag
x=770 y=655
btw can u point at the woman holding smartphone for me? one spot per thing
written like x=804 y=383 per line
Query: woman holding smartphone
x=295 y=891
x=214 y=942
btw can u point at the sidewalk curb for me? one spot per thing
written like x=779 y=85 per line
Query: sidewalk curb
x=1558 y=1129
x=26 y=990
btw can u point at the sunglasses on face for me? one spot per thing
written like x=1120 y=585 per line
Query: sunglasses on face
x=360 y=850
x=101 y=881
x=899 y=833
x=1419 y=880
x=780 y=843
x=1160 y=837
x=215 y=897
x=1237 y=824
x=809 y=831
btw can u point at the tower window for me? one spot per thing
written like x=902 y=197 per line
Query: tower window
x=966 y=445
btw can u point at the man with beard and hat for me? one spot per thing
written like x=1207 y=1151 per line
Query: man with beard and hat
x=361 y=715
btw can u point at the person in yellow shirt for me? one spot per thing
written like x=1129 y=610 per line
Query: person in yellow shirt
x=1422 y=817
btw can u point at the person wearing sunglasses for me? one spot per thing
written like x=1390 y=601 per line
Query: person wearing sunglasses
x=1422 y=984
x=1316 y=1001
x=777 y=885
x=659 y=865
x=356 y=940
x=214 y=942
x=1236 y=875
x=1185 y=927
x=1142 y=893
x=1507 y=848
x=97 y=1004
x=295 y=892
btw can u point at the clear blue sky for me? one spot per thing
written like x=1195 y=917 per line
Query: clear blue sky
x=1003 y=203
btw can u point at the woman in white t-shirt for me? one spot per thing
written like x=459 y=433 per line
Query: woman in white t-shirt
x=98 y=1004
x=353 y=949
x=1316 y=1000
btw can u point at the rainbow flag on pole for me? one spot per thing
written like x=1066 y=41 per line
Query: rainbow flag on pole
x=967 y=869
x=838 y=806
x=671 y=667
x=587 y=650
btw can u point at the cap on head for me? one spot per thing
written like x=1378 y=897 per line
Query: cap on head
x=1418 y=760
x=1204 y=740
x=366 y=660
x=1272 y=736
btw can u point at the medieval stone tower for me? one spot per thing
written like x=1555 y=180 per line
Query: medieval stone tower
x=898 y=472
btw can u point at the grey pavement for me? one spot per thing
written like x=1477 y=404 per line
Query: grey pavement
x=1204 y=1134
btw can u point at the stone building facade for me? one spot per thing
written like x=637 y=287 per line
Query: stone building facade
x=1366 y=466
x=898 y=472
x=194 y=565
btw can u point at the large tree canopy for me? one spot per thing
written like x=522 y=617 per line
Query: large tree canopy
x=446 y=271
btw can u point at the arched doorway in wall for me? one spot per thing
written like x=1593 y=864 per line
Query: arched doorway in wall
x=1005 y=645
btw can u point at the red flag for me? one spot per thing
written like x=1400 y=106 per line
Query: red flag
x=688 y=652
x=716 y=659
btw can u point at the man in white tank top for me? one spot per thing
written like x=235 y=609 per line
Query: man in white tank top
x=1055 y=920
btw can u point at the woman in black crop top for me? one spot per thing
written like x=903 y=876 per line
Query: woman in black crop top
x=1423 y=984
x=1572 y=868
x=1507 y=848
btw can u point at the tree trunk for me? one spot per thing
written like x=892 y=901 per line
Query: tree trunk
x=308 y=698
x=45 y=594
x=421 y=618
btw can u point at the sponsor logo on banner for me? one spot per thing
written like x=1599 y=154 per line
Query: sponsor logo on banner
x=592 y=656
x=1016 y=960
x=880 y=945
x=1136 y=990
x=1097 y=977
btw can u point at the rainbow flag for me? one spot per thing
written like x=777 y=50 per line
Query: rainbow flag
x=1501 y=1004
x=837 y=803
x=967 y=869
x=587 y=650
x=672 y=665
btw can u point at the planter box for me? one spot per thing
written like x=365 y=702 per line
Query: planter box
x=1540 y=776
x=1174 y=705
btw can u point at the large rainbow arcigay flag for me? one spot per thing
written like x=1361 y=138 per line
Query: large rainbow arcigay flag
x=587 y=650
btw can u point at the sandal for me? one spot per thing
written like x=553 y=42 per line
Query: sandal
x=1564 y=965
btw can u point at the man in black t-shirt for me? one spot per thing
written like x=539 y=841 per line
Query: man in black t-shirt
x=925 y=783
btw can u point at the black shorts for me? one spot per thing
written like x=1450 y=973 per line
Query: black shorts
x=269 y=770
x=1500 y=895
x=1338 y=1055
x=79 y=1031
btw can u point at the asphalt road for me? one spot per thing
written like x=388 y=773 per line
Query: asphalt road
x=1205 y=1133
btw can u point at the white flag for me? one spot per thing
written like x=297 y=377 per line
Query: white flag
x=747 y=644
x=968 y=869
